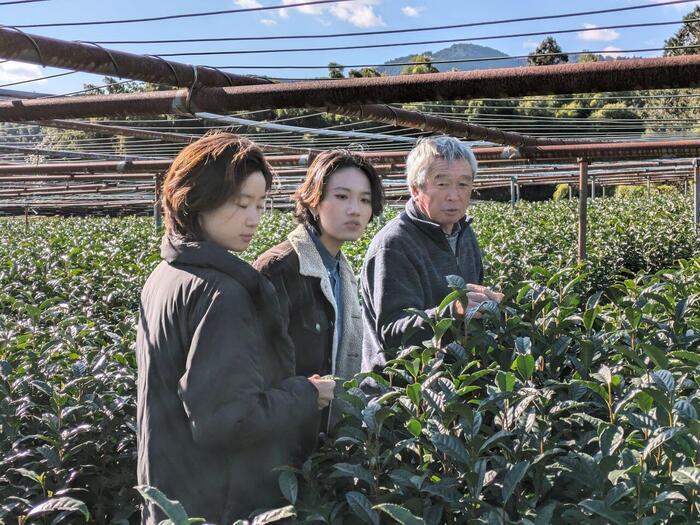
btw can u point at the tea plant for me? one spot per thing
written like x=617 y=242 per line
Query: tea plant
x=577 y=402
x=551 y=410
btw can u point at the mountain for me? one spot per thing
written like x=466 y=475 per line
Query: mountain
x=458 y=52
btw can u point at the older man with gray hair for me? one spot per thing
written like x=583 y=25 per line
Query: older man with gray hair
x=409 y=259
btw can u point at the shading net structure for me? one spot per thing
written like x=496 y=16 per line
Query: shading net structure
x=93 y=152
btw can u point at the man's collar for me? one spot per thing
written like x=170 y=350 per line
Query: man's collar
x=420 y=218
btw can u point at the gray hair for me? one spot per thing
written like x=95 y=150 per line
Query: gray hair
x=429 y=149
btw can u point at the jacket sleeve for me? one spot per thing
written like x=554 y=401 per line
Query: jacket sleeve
x=390 y=285
x=223 y=389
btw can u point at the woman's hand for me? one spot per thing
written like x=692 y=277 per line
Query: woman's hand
x=325 y=389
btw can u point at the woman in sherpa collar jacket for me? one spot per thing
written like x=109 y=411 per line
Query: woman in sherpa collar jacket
x=315 y=284
x=217 y=389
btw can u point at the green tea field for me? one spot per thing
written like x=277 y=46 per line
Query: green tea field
x=576 y=401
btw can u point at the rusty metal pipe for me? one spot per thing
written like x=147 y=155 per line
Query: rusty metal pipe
x=686 y=148
x=582 y=208
x=648 y=73
x=92 y=58
x=105 y=129
x=425 y=122
x=75 y=204
x=696 y=179
x=70 y=177
x=165 y=136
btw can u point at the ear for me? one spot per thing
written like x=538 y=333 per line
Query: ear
x=414 y=190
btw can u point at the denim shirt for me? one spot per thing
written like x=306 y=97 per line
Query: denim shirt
x=453 y=237
x=332 y=265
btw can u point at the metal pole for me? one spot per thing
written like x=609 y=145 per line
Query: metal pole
x=26 y=217
x=685 y=186
x=696 y=175
x=592 y=188
x=119 y=131
x=157 y=216
x=649 y=73
x=425 y=122
x=648 y=186
x=604 y=190
x=512 y=192
x=157 y=210
x=582 y=208
x=571 y=192
x=91 y=58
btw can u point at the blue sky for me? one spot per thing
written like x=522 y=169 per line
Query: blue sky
x=355 y=15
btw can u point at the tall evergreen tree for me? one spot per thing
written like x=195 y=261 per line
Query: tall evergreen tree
x=335 y=70
x=421 y=64
x=547 y=54
x=687 y=35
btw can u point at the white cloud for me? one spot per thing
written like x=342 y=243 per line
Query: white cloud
x=359 y=13
x=268 y=21
x=411 y=11
x=324 y=21
x=613 y=51
x=12 y=71
x=247 y=4
x=530 y=44
x=598 y=35
x=306 y=9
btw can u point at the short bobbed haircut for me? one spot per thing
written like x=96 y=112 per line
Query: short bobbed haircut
x=203 y=176
x=429 y=149
x=313 y=189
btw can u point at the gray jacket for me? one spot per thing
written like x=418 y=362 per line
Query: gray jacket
x=216 y=393
x=405 y=267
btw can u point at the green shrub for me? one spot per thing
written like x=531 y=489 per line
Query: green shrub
x=69 y=297
x=551 y=409
x=561 y=192
x=641 y=190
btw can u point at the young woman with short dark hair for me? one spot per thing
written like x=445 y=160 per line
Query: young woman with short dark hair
x=315 y=284
x=217 y=388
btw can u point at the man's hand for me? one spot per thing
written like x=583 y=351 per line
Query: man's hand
x=325 y=389
x=477 y=294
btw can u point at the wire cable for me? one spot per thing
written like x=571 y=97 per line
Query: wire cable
x=22 y=2
x=293 y=129
x=187 y=15
x=425 y=42
x=37 y=79
x=461 y=60
x=393 y=31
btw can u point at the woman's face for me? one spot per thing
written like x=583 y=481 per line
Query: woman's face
x=346 y=208
x=233 y=224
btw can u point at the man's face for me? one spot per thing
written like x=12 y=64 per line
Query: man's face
x=446 y=194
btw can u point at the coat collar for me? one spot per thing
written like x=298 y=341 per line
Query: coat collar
x=310 y=261
x=205 y=254
x=430 y=228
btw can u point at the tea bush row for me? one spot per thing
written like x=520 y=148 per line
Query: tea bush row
x=519 y=420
